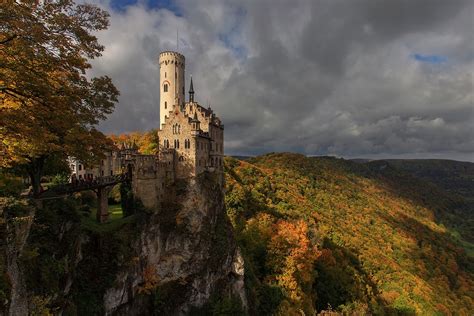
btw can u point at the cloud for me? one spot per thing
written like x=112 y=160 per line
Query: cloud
x=317 y=77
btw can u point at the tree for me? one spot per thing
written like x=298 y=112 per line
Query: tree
x=48 y=105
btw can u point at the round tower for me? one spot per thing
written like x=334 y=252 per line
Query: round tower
x=171 y=82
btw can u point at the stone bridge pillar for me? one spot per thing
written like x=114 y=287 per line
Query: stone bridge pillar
x=103 y=204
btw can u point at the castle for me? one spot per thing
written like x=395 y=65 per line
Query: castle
x=191 y=140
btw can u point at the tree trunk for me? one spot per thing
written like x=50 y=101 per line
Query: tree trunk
x=35 y=171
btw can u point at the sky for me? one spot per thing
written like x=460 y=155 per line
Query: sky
x=362 y=78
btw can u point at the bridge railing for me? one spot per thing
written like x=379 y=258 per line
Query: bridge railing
x=82 y=185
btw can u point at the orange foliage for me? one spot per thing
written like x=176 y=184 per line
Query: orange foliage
x=150 y=280
x=292 y=256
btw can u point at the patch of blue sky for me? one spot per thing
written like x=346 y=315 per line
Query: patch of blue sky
x=238 y=50
x=170 y=5
x=229 y=37
x=431 y=59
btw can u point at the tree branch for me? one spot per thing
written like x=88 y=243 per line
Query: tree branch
x=8 y=39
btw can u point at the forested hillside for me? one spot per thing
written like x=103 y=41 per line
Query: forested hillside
x=334 y=235
x=453 y=176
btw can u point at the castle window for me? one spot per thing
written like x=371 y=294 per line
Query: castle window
x=165 y=87
x=177 y=143
x=181 y=158
x=165 y=74
x=166 y=105
x=179 y=129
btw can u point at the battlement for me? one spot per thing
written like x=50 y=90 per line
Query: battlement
x=171 y=58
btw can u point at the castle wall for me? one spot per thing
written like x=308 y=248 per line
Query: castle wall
x=176 y=134
x=146 y=181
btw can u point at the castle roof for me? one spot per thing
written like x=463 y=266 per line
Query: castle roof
x=191 y=88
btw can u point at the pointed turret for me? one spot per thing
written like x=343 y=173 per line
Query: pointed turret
x=191 y=91
x=196 y=125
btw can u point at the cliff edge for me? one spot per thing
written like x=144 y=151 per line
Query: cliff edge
x=178 y=259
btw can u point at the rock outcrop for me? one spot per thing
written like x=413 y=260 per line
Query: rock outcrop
x=186 y=247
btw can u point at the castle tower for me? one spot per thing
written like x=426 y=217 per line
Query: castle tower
x=171 y=82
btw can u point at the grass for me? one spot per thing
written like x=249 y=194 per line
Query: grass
x=115 y=221
x=468 y=247
x=115 y=212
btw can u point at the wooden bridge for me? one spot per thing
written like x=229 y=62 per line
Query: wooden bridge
x=100 y=185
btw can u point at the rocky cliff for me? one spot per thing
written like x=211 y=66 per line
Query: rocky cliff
x=186 y=251
x=174 y=260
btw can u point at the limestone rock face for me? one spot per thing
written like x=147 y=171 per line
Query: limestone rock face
x=185 y=254
x=15 y=232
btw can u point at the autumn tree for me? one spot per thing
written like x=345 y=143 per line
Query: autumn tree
x=292 y=255
x=48 y=103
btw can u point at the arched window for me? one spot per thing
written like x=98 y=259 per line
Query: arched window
x=181 y=158
x=179 y=129
x=166 y=105
x=177 y=143
x=165 y=74
x=165 y=87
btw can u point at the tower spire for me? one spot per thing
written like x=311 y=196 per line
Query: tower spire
x=191 y=91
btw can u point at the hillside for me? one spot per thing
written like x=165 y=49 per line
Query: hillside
x=330 y=234
x=453 y=176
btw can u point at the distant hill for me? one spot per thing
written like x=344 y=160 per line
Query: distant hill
x=242 y=157
x=322 y=233
x=453 y=176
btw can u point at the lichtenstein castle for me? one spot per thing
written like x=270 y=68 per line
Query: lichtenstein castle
x=191 y=141
x=195 y=134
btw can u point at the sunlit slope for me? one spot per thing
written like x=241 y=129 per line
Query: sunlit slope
x=387 y=234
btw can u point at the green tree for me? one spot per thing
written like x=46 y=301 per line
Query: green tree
x=48 y=105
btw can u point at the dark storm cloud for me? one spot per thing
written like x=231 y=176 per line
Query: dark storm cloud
x=350 y=78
